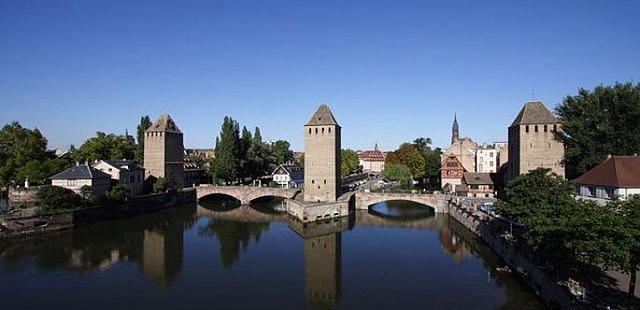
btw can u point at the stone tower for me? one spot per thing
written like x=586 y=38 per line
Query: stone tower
x=533 y=142
x=164 y=152
x=322 y=157
x=455 y=131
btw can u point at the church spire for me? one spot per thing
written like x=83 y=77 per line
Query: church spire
x=455 y=131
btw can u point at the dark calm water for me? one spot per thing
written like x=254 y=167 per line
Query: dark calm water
x=218 y=255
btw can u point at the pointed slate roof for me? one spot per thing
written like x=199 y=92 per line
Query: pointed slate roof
x=323 y=116
x=616 y=171
x=534 y=112
x=80 y=172
x=164 y=123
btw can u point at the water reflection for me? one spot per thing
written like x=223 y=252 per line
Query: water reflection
x=389 y=235
x=154 y=242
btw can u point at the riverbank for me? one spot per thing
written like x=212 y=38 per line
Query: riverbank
x=553 y=291
x=46 y=223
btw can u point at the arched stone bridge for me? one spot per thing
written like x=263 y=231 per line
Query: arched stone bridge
x=246 y=193
x=437 y=202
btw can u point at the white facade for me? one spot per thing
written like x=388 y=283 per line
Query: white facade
x=98 y=186
x=601 y=192
x=487 y=160
x=288 y=176
x=371 y=166
x=134 y=177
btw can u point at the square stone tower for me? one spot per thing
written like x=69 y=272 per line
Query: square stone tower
x=533 y=141
x=164 y=152
x=322 y=157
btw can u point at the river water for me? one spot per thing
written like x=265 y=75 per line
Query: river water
x=218 y=255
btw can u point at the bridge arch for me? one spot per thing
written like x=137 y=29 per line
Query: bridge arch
x=246 y=194
x=366 y=200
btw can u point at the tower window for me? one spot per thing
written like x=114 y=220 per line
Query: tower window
x=325 y=181
x=313 y=181
x=526 y=128
x=545 y=128
x=329 y=129
x=309 y=130
x=322 y=130
x=555 y=127
x=316 y=130
x=535 y=128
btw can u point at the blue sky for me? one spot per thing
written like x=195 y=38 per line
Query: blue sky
x=391 y=71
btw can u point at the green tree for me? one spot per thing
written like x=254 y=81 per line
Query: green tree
x=598 y=123
x=118 y=193
x=409 y=156
x=431 y=162
x=282 y=152
x=620 y=248
x=259 y=156
x=38 y=172
x=243 y=154
x=145 y=123
x=226 y=163
x=53 y=198
x=19 y=146
x=105 y=146
x=350 y=163
x=160 y=185
x=86 y=191
x=398 y=173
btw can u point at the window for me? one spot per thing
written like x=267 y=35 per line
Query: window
x=526 y=128
x=313 y=181
x=316 y=130
x=132 y=179
x=325 y=181
x=309 y=130
x=555 y=128
x=491 y=163
x=545 y=128
x=329 y=129
x=322 y=130
x=491 y=154
x=535 y=128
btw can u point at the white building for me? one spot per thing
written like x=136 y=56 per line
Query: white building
x=486 y=159
x=372 y=161
x=79 y=176
x=617 y=176
x=126 y=172
x=288 y=176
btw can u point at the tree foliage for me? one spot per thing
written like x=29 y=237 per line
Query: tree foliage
x=409 y=156
x=241 y=158
x=564 y=230
x=350 y=163
x=53 y=198
x=398 y=173
x=160 y=185
x=18 y=147
x=38 y=172
x=118 y=193
x=105 y=146
x=145 y=123
x=598 y=123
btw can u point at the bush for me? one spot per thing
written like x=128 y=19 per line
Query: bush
x=160 y=185
x=118 y=193
x=53 y=198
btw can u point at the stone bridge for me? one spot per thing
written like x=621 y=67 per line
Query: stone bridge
x=245 y=194
x=437 y=202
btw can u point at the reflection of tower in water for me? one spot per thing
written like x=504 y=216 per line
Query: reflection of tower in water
x=323 y=264
x=162 y=254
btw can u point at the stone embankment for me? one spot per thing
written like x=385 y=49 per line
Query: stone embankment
x=33 y=225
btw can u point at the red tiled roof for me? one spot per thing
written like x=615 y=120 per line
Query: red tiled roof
x=372 y=156
x=617 y=171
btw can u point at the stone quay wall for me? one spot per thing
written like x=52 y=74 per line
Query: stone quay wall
x=551 y=292
x=23 y=195
x=66 y=220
